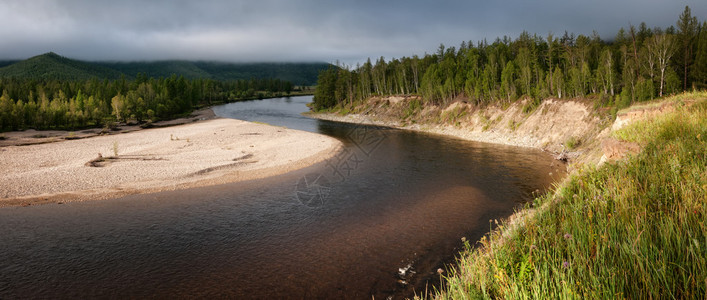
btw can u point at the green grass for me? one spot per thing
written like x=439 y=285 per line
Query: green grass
x=454 y=116
x=414 y=107
x=571 y=143
x=531 y=105
x=115 y=148
x=513 y=125
x=630 y=229
x=680 y=99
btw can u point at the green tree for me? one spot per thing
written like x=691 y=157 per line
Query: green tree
x=558 y=81
x=117 y=103
x=660 y=49
x=687 y=30
x=6 y=107
x=325 y=94
x=699 y=69
x=508 y=88
x=644 y=89
x=525 y=66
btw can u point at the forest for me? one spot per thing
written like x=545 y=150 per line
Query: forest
x=72 y=104
x=639 y=64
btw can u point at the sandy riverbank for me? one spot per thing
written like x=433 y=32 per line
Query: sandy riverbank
x=550 y=127
x=198 y=154
x=492 y=137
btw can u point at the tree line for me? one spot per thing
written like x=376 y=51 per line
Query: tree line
x=639 y=64
x=66 y=104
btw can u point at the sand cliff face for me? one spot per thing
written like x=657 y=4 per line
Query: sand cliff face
x=204 y=153
x=558 y=126
x=570 y=128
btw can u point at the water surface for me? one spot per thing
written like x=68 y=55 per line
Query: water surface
x=338 y=229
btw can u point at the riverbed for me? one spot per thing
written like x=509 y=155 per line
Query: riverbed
x=391 y=202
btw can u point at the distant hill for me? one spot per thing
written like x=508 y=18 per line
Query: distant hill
x=158 y=68
x=54 y=66
x=4 y=63
x=297 y=73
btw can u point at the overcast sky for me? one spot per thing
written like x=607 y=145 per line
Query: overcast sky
x=290 y=30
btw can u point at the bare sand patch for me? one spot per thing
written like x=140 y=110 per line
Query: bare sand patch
x=198 y=154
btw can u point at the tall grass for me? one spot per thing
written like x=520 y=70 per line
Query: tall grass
x=629 y=229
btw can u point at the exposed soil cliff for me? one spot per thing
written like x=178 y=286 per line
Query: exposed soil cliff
x=571 y=129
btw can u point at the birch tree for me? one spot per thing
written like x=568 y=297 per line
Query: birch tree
x=661 y=48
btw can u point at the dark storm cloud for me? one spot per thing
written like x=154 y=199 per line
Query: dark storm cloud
x=281 y=30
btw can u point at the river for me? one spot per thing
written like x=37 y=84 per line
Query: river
x=343 y=228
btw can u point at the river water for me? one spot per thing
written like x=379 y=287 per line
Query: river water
x=343 y=228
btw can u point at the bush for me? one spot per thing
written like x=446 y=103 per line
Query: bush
x=412 y=109
x=531 y=105
x=572 y=143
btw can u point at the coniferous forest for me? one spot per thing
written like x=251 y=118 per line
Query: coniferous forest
x=638 y=64
x=71 y=104
x=49 y=91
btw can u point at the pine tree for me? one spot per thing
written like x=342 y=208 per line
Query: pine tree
x=324 y=95
x=687 y=30
x=699 y=69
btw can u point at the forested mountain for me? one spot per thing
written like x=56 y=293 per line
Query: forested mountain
x=4 y=63
x=297 y=73
x=636 y=65
x=158 y=69
x=54 y=66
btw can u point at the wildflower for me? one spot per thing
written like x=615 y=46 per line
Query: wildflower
x=463 y=239
x=565 y=264
x=568 y=236
x=440 y=271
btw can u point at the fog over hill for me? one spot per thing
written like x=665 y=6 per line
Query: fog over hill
x=54 y=66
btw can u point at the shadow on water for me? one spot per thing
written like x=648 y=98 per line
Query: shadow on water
x=338 y=229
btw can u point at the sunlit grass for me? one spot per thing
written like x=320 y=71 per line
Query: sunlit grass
x=630 y=229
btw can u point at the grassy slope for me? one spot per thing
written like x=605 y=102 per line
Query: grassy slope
x=633 y=228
